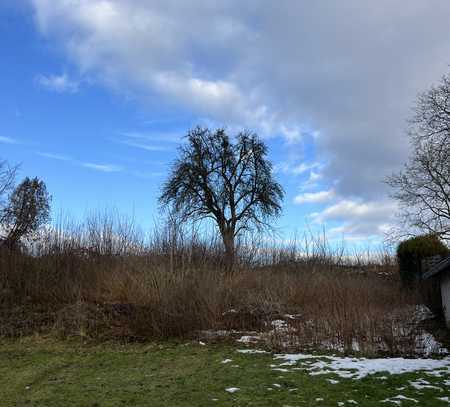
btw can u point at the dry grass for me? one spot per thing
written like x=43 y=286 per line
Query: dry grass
x=103 y=279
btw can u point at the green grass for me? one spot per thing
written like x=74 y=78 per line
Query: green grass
x=38 y=372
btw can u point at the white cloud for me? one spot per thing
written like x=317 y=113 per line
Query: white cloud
x=147 y=142
x=103 y=167
x=90 y=165
x=295 y=169
x=314 y=197
x=267 y=66
x=302 y=168
x=8 y=140
x=356 y=218
x=58 y=83
x=143 y=146
x=153 y=49
x=165 y=137
x=58 y=157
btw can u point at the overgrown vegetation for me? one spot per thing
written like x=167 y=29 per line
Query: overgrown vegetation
x=104 y=279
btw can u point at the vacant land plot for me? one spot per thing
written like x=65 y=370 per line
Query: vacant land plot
x=37 y=372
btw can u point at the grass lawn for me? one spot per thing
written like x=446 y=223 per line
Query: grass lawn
x=38 y=372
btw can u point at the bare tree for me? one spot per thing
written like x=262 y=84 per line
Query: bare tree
x=423 y=186
x=228 y=182
x=7 y=179
x=28 y=208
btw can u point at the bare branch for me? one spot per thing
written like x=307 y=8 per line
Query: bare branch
x=423 y=186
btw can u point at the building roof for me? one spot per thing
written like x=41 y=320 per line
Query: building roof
x=440 y=266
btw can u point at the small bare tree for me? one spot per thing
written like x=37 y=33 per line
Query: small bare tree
x=7 y=179
x=423 y=187
x=228 y=182
x=28 y=208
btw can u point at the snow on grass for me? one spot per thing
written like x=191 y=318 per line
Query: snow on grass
x=357 y=368
x=420 y=384
x=250 y=351
x=232 y=389
x=225 y=361
x=398 y=400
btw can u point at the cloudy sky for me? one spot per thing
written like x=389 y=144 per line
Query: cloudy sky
x=96 y=95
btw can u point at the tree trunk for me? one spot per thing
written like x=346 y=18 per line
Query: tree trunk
x=228 y=241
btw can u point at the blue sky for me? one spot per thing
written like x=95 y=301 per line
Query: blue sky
x=96 y=96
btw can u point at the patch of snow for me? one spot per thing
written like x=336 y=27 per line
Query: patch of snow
x=230 y=311
x=280 y=369
x=279 y=324
x=319 y=399
x=292 y=316
x=232 y=389
x=357 y=368
x=420 y=384
x=224 y=362
x=276 y=385
x=291 y=359
x=331 y=381
x=443 y=399
x=437 y=373
x=202 y=343
x=249 y=339
x=398 y=399
x=251 y=351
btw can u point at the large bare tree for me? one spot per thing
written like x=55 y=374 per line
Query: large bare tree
x=228 y=181
x=423 y=186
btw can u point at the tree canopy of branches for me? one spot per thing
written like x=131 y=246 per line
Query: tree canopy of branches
x=423 y=186
x=27 y=209
x=228 y=181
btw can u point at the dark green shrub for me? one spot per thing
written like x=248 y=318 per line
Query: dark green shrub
x=411 y=252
